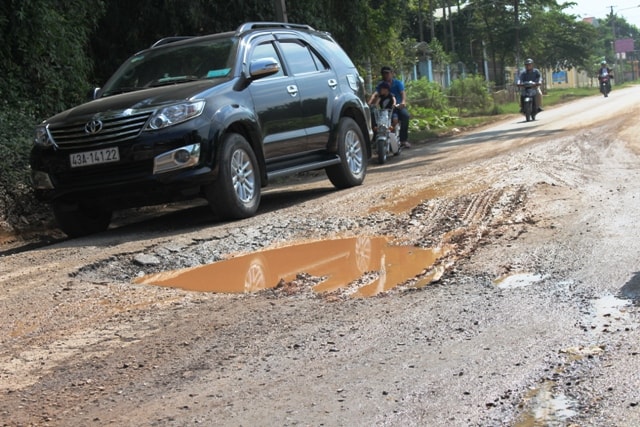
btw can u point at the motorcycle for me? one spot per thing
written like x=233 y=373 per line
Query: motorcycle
x=386 y=140
x=528 y=93
x=605 y=85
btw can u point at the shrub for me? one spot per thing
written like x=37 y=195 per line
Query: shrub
x=16 y=131
x=423 y=93
x=470 y=94
x=429 y=106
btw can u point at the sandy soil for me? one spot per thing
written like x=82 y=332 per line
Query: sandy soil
x=528 y=317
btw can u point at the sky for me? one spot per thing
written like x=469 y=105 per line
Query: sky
x=629 y=9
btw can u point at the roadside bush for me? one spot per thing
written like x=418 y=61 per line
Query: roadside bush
x=426 y=94
x=428 y=119
x=16 y=131
x=470 y=95
x=428 y=106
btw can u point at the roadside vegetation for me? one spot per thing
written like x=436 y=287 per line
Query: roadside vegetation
x=45 y=72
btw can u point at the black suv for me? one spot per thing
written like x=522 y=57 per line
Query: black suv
x=214 y=116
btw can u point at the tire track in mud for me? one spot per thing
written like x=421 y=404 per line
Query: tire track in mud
x=441 y=221
x=460 y=225
x=583 y=154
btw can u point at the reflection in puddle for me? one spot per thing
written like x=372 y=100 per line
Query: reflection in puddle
x=341 y=262
x=547 y=408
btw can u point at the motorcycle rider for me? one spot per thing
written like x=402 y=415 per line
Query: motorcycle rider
x=531 y=74
x=398 y=90
x=603 y=72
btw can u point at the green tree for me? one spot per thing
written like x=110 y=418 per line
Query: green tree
x=42 y=51
x=515 y=29
x=561 y=41
x=45 y=69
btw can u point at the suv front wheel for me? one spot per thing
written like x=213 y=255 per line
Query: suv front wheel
x=236 y=192
x=81 y=220
x=352 y=167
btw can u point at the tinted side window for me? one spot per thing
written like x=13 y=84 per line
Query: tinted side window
x=329 y=48
x=266 y=50
x=299 y=57
x=321 y=64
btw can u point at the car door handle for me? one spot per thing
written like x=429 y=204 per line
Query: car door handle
x=293 y=90
x=333 y=83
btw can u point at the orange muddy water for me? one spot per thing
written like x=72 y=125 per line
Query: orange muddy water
x=341 y=262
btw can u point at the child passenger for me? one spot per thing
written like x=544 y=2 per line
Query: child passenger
x=386 y=101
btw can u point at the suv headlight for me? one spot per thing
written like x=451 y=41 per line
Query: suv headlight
x=42 y=136
x=174 y=114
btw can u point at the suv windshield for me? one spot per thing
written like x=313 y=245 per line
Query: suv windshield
x=171 y=64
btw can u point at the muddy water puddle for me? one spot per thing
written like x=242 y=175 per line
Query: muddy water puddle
x=343 y=263
x=610 y=313
x=547 y=408
x=398 y=204
x=518 y=280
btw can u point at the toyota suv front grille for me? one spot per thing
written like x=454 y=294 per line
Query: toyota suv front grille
x=99 y=131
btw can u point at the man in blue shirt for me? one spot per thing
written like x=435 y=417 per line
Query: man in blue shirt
x=397 y=89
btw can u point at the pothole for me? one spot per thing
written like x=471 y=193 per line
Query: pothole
x=341 y=263
x=609 y=314
x=547 y=408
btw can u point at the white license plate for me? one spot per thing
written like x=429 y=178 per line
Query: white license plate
x=96 y=157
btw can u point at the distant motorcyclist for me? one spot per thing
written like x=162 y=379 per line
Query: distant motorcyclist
x=605 y=73
x=531 y=74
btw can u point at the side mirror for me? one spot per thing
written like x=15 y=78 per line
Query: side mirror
x=93 y=93
x=263 y=67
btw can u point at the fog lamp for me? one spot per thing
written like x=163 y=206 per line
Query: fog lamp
x=41 y=180
x=182 y=156
x=179 y=158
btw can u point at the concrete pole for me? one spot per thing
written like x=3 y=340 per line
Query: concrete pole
x=281 y=10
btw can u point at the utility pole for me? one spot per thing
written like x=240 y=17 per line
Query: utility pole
x=516 y=12
x=619 y=77
x=420 y=25
x=432 y=21
x=281 y=10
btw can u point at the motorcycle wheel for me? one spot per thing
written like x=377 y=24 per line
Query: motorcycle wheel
x=527 y=111
x=382 y=150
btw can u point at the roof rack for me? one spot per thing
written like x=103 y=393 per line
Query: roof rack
x=168 y=40
x=254 y=25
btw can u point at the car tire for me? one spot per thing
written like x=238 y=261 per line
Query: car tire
x=352 y=168
x=235 y=194
x=77 y=220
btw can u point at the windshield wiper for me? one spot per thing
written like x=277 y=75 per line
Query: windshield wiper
x=119 y=90
x=171 y=80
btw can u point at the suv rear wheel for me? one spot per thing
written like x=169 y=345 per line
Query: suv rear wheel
x=236 y=192
x=351 y=149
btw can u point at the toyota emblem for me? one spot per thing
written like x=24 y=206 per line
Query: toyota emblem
x=92 y=127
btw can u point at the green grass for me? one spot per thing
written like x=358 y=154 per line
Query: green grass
x=559 y=96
